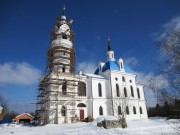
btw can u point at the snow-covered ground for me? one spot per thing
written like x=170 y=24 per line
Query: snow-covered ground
x=152 y=126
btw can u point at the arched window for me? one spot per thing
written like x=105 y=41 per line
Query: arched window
x=134 y=109
x=125 y=92
x=63 y=111
x=117 y=90
x=64 y=36
x=100 y=90
x=64 y=88
x=100 y=110
x=127 y=110
x=132 y=92
x=81 y=89
x=121 y=66
x=140 y=109
x=123 y=78
x=138 y=93
x=81 y=105
x=119 y=110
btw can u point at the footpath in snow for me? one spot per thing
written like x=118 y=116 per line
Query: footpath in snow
x=152 y=126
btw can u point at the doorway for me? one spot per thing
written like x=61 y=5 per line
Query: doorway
x=81 y=114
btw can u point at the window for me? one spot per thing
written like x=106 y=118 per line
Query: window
x=119 y=110
x=125 y=92
x=100 y=110
x=121 y=66
x=100 y=90
x=127 y=110
x=64 y=36
x=63 y=111
x=63 y=69
x=130 y=81
x=138 y=93
x=81 y=89
x=116 y=78
x=64 y=88
x=134 y=109
x=132 y=92
x=123 y=78
x=140 y=109
x=81 y=105
x=117 y=90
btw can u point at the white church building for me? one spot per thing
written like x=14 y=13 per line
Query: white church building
x=64 y=95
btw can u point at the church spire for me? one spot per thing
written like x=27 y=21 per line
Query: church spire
x=109 y=44
x=63 y=12
x=110 y=53
x=63 y=16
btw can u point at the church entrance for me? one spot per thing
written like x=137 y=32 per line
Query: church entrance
x=82 y=107
x=81 y=114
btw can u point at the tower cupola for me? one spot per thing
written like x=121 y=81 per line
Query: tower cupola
x=110 y=53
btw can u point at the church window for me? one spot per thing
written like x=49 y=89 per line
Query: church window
x=117 y=90
x=130 y=81
x=134 y=109
x=127 y=110
x=121 y=66
x=81 y=89
x=132 y=92
x=116 y=78
x=123 y=78
x=64 y=88
x=63 y=111
x=100 y=110
x=64 y=36
x=63 y=69
x=125 y=92
x=119 y=110
x=100 y=90
x=81 y=105
x=140 y=109
x=138 y=93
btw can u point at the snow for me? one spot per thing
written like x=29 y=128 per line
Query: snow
x=155 y=126
x=24 y=114
x=93 y=75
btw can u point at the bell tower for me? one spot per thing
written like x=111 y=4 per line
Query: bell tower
x=61 y=54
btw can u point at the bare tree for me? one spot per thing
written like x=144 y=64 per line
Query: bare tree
x=169 y=45
x=4 y=103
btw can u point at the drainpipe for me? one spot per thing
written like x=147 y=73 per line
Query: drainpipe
x=92 y=96
x=111 y=93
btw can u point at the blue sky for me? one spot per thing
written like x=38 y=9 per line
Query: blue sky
x=25 y=26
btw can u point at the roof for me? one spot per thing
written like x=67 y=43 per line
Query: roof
x=24 y=114
x=94 y=76
x=112 y=65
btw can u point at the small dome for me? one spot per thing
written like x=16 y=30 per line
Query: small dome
x=112 y=65
x=63 y=17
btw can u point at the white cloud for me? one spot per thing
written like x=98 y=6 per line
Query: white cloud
x=87 y=67
x=131 y=62
x=18 y=74
x=158 y=80
x=174 y=23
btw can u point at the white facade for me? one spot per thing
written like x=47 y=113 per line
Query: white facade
x=65 y=96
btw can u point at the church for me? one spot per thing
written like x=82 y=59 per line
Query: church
x=65 y=96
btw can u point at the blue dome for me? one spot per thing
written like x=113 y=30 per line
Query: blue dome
x=112 y=65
